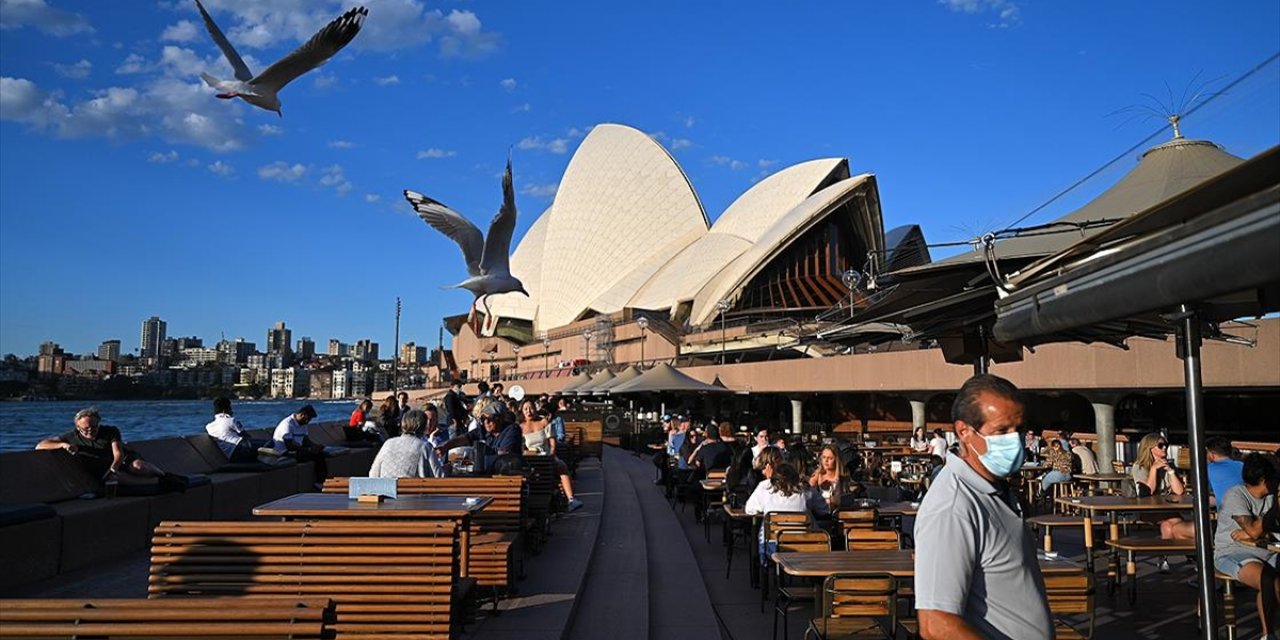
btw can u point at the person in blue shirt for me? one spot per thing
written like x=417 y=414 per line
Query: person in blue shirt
x=1224 y=471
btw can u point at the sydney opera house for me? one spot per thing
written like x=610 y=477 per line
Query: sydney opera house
x=800 y=302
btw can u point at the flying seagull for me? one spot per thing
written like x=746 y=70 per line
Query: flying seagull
x=261 y=91
x=488 y=257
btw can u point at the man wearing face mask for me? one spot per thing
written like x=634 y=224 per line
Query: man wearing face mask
x=977 y=575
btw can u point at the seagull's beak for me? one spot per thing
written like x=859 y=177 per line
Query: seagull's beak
x=526 y=293
x=280 y=113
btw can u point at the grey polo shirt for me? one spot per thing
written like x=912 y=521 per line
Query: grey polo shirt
x=975 y=558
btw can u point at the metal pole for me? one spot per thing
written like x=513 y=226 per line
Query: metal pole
x=721 y=337
x=1189 y=341
x=395 y=350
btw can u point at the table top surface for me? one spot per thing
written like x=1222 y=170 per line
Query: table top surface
x=898 y=508
x=712 y=485
x=897 y=563
x=336 y=505
x=1100 y=477
x=1123 y=503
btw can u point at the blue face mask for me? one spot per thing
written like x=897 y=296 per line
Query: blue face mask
x=1004 y=454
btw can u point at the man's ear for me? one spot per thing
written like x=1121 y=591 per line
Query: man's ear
x=970 y=438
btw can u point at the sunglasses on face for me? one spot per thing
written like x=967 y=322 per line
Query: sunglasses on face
x=1162 y=445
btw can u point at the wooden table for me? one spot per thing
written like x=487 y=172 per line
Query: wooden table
x=1112 y=506
x=1093 y=480
x=898 y=509
x=900 y=564
x=324 y=506
x=712 y=485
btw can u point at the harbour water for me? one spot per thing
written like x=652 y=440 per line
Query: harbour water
x=23 y=424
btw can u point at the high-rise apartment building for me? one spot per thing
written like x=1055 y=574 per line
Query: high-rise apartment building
x=411 y=355
x=237 y=351
x=153 y=339
x=306 y=349
x=279 y=339
x=337 y=348
x=50 y=348
x=109 y=350
x=366 y=350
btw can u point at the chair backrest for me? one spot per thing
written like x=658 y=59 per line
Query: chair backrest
x=858 y=519
x=847 y=595
x=716 y=474
x=1069 y=593
x=803 y=541
x=868 y=540
x=777 y=521
x=242 y=617
x=504 y=515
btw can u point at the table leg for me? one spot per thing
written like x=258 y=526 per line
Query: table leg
x=1048 y=539
x=1088 y=539
x=464 y=538
x=753 y=553
x=1113 y=564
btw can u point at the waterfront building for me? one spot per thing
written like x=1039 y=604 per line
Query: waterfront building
x=51 y=364
x=340 y=385
x=237 y=351
x=89 y=367
x=366 y=350
x=279 y=342
x=306 y=349
x=152 y=341
x=197 y=356
x=291 y=382
x=50 y=348
x=412 y=355
x=321 y=386
x=190 y=342
x=109 y=350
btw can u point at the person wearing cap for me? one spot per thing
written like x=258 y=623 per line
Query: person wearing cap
x=498 y=436
x=291 y=438
x=100 y=449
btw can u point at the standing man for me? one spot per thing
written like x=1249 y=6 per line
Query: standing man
x=291 y=438
x=402 y=405
x=455 y=409
x=976 y=570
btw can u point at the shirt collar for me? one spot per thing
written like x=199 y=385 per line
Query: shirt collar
x=967 y=475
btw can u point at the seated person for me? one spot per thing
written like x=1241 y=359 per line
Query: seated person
x=437 y=432
x=230 y=435
x=1241 y=514
x=355 y=431
x=1224 y=471
x=410 y=454
x=1154 y=475
x=1086 y=461
x=498 y=437
x=781 y=490
x=291 y=438
x=100 y=450
x=540 y=439
x=1060 y=460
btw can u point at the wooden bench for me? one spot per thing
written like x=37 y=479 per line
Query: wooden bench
x=1070 y=594
x=590 y=436
x=494 y=531
x=386 y=579
x=240 y=617
x=1134 y=545
x=543 y=483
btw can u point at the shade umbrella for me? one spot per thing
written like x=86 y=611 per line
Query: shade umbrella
x=596 y=380
x=575 y=382
x=627 y=375
x=664 y=377
x=1202 y=257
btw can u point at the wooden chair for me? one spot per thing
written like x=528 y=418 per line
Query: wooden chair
x=853 y=606
x=857 y=519
x=240 y=617
x=542 y=495
x=383 y=577
x=1134 y=545
x=867 y=540
x=801 y=541
x=712 y=502
x=1070 y=594
x=775 y=522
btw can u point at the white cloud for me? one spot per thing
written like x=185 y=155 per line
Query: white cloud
x=521 y=108
x=434 y=153
x=726 y=161
x=183 y=31
x=388 y=80
x=270 y=130
x=77 y=71
x=689 y=122
x=341 y=144
x=1006 y=12
x=163 y=158
x=464 y=37
x=576 y=133
x=536 y=143
x=221 y=168
x=372 y=197
x=15 y=14
x=132 y=65
x=680 y=143
x=167 y=108
x=540 y=190
x=765 y=164
x=333 y=176
x=282 y=171
x=324 y=81
x=508 y=84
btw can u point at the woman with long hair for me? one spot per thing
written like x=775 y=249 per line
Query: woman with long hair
x=354 y=431
x=540 y=439
x=829 y=481
x=781 y=490
x=1154 y=475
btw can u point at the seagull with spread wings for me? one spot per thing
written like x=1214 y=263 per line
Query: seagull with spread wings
x=488 y=257
x=260 y=91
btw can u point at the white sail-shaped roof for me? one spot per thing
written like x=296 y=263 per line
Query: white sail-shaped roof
x=622 y=201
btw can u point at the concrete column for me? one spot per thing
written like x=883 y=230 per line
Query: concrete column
x=797 y=415
x=917 y=414
x=1104 y=421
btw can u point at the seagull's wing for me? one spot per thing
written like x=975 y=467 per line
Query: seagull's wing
x=452 y=224
x=241 y=69
x=497 y=245
x=322 y=46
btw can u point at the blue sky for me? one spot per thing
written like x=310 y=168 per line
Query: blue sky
x=127 y=190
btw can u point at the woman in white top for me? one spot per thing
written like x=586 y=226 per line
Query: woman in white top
x=410 y=454
x=540 y=439
x=938 y=445
x=781 y=490
x=920 y=440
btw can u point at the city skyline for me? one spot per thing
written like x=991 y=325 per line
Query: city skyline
x=128 y=190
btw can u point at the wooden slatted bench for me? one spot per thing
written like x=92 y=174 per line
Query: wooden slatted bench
x=237 y=617
x=495 y=530
x=590 y=436
x=1134 y=545
x=386 y=579
x=1070 y=594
